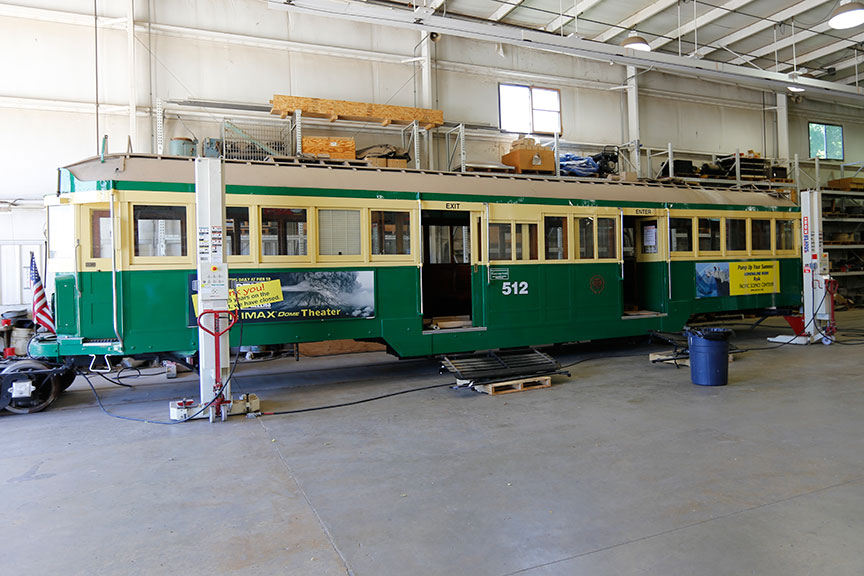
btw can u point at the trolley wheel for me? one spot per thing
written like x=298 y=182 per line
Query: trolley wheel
x=66 y=379
x=46 y=388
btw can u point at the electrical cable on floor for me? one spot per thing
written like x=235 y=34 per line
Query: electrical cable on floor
x=172 y=422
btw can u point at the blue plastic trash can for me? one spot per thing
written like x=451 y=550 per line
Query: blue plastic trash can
x=709 y=355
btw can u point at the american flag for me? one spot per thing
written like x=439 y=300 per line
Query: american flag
x=41 y=312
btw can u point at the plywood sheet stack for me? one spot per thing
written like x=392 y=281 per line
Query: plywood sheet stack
x=333 y=110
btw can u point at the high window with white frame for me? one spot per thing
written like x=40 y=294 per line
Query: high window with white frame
x=529 y=109
x=826 y=141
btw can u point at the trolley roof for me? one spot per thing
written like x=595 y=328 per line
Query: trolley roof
x=290 y=173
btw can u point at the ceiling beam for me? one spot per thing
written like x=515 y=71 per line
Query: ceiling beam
x=782 y=43
x=759 y=25
x=504 y=10
x=707 y=18
x=635 y=19
x=569 y=15
x=708 y=70
x=820 y=52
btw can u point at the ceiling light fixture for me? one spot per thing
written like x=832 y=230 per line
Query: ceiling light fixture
x=847 y=15
x=636 y=42
x=795 y=89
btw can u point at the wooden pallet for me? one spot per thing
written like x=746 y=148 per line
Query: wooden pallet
x=847 y=184
x=511 y=386
x=669 y=358
x=333 y=110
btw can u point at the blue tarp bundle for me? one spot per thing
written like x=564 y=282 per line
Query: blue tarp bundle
x=573 y=165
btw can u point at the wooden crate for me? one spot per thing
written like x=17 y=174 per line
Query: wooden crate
x=378 y=162
x=511 y=386
x=331 y=347
x=336 y=147
x=533 y=160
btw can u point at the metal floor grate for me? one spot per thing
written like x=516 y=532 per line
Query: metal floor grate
x=500 y=365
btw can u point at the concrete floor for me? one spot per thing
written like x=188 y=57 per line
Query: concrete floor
x=625 y=468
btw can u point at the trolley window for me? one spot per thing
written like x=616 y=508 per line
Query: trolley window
x=526 y=241
x=339 y=232
x=606 y=238
x=499 y=242
x=648 y=236
x=100 y=234
x=785 y=234
x=284 y=232
x=709 y=234
x=237 y=231
x=391 y=232
x=586 y=238
x=760 y=235
x=681 y=234
x=555 y=237
x=736 y=235
x=159 y=230
x=61 y=231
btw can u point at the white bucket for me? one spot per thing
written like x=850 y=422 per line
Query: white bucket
x=20 y=339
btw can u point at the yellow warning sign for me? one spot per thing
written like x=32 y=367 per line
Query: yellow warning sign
x=251 y=295
x=759 y=277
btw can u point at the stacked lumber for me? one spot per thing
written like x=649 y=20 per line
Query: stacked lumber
x=333 y=110
x=847 y=184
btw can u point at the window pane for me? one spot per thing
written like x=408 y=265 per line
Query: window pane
x=606 y=239
x=834 y=142
x=556 y=237
x=499 y=242
x=586 y=238
x=338 y=232
x=160 y=230
x=785 y=234
x=100 y=234
x=546 y=122
x=460 y=239
x=709 y=234
x=526 y=242
x=391 y=232
x=514 y=108
x=761 y=234
x=236 y=231
x=61 y=231
x=681 y=234
x=284 y=232
x=649 y=236
x=546 y=99
x=817 y=140
x=736 y=234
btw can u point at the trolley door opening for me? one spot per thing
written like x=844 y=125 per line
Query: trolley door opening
x=643 y=271
x=446 y=269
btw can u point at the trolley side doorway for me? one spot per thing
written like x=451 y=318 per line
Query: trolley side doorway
x=644 y=274
x=446 y=272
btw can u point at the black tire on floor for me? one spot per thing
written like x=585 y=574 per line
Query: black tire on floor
x=66 y=379
x=47 y=388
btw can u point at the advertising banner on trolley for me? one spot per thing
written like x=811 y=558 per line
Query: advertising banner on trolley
x=715 y=279
x=291 y=296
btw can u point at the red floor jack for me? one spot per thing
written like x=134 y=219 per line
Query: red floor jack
x=219 y=397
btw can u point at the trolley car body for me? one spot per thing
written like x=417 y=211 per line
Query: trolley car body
x=438 y=262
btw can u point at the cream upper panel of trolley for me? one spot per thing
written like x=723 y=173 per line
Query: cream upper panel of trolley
x=140 y=168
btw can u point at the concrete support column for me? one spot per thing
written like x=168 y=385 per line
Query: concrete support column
x=427 y=91
x=782 y=127
x=130 y=67
x=633 y=118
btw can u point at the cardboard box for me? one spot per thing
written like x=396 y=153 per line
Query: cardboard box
x=397 y=163
x=530 y=160
x=379 y=162
x=335 y=147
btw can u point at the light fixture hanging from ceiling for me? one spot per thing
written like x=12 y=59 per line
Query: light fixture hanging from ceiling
x=636 y=42
x=847 y=15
